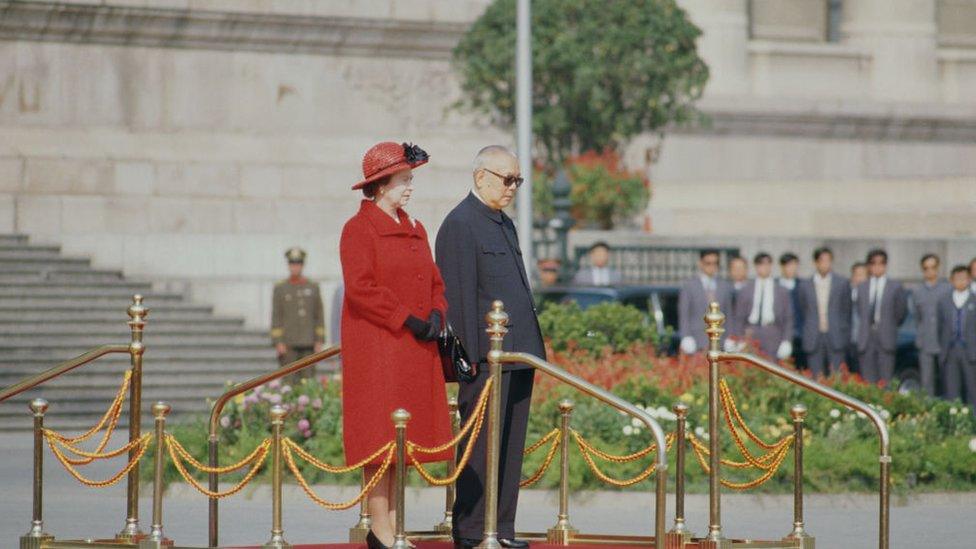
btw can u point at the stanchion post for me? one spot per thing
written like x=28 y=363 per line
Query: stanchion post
x=679 y=534
x=447 y=525
x=277 y=540
x=563 y=531
x=137 y=321
x=400 y=419
x=357 y=534
x=36 y=535
x=213 y=443
x=156 y=539
x=714 y=322
x=799 y=534
x=884 y=525
x=497 y=322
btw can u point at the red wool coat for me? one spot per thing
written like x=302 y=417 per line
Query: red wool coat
x=389 y=273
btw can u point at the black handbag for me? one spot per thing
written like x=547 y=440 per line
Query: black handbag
x=454 y=359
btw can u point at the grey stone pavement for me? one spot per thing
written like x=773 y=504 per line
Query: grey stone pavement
x=73 y=511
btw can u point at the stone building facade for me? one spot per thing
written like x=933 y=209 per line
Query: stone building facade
x=190 y=142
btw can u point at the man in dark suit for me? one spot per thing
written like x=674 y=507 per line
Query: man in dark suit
x=925 y=301
x=789 y=266
x=599 y=273
x=695 y=295
x=738 y=274
x=480 y=260
x=956 y=313
x=764 y=312
x=859 y=273
x=881 y=308
x=826 y=301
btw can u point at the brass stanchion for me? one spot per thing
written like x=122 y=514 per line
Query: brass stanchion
x=277 y=540
x=156 y=539
x=447 y=525
x=799 y=534
x=137 y=314
x=679 y=534
x=212 y=524
x=400 y=419
x=563 y=531
x=357 y=534
x=36 y=535
x=497 y=320
x=714 y=321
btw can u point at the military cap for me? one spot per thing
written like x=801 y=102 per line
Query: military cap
x=295 y=255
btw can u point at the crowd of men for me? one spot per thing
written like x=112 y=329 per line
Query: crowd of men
x=838 y=319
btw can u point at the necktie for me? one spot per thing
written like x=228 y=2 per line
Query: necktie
x=762 y=298
x=875 y=301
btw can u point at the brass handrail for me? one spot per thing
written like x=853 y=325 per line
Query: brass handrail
x=240 y=388
x=61 y=369
x=620 y=404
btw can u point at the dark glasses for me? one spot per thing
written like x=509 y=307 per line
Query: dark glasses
x=508 y=180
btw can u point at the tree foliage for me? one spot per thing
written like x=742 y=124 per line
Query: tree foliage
x=603 y=70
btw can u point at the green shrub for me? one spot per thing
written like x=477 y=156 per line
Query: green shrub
x=605 y=326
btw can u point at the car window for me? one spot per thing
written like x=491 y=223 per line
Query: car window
x=642 y=302
x=669 y=306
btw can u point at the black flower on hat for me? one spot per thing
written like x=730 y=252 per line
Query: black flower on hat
x=414 y=153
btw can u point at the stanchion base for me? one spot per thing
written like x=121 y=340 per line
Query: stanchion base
x=677 y=540
x=357 y=534
x=34 y=541
x=804 y=541
x=445 y=527
x=561 y=535
x=715 y=544
x=147 y=543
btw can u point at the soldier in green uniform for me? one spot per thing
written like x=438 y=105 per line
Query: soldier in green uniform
x=297 y=325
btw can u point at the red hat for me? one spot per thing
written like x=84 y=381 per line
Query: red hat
x=388 y=158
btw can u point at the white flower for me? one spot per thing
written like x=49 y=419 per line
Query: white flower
x=861 y=415
x=669 y=415
x=953 y=411
x=885 y=414
x=834 y=413
x=699 y=431
x=651 y=412
x=835 y=426
x=628 y=430
x=965 y=410
x=641 y=406
x=636 y=423
x=972 y=444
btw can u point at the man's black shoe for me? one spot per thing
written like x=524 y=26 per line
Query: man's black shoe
x=466 y=543
x=513 y=543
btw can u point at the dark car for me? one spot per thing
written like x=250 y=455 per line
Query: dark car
x=659 y=302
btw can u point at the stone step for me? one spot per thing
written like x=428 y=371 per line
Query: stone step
x=206 y=374
x=79 y=276
x=118 y=328
x=12 y=251
x=89 y=290
x=119 y=302
x=18 y=264
x=152 y=340
x=13 y=238
x=162 y=354
x=175 y=311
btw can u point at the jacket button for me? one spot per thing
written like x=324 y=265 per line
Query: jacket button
x=420 y=277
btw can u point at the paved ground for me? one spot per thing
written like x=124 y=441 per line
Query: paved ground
x=845 y=522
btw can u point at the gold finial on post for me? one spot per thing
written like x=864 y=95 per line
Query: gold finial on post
x=562 y=532
x=679 y=534
x=155 y=539
x=277 y=541
x=35 y=537
x=400 y=419
x=799 y=533
x=137 y=321
x=714 y=326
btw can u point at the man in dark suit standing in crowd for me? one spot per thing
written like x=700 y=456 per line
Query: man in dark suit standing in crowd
x=956 y=313
x=826 y=301
x=859 y=273
x=789 y=266
x=738 y=274
x=480 y=260
x=925 y=299
x=695 y=295
x=881 y=308
x=764 y=312
x=599 y=273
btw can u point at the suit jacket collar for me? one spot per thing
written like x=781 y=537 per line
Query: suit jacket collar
x=474 y=202
x=384 y=225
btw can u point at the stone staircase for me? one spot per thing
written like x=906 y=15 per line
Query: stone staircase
x=53 y=308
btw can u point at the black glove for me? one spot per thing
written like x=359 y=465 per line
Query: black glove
x=436 y=324
x=419 y=328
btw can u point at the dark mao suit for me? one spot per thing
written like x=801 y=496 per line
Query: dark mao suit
x=479 y=257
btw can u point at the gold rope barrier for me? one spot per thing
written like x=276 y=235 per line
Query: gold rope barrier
x=779 y=456
x=289 y=445
x=474 y=424
x=729 y=404
x=550 y=456
x=257 y=457
x=302 y=453
x=185 y=454
x=142 y=443
x=106 y=417
x=732 y=412
x=586 y=449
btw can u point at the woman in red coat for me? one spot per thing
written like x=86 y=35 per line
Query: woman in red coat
x=393 y=309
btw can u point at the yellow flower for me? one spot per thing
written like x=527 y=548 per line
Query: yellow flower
x=239 y=399
x=687 y=397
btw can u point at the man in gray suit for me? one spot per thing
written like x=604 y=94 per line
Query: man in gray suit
x=696 y=293
x=599 y=273
x=764 y=311
x=925 y=299
x=881 y=308
x=826 y=301
x=957 y=334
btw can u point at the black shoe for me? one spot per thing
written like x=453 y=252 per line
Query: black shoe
x=373 y=542
x=466 y=543
x=513 y=543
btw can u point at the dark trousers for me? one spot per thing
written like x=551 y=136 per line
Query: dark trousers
x=291 y=355
x=876 y=363
x=927 y=363
x=823 y=357
x=469 y=506
x=960 y=370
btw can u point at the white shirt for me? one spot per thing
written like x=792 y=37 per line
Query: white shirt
x=959 y=298
x=763 y=294
x=821 y=286
x=710 y=285
x=601 y=276
x=875 y=293
x=788 y=283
